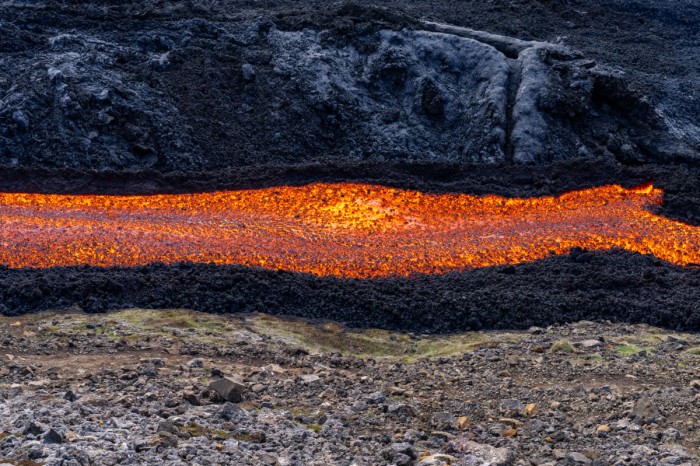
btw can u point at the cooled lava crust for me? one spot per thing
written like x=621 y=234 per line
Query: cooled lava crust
x=200 y=99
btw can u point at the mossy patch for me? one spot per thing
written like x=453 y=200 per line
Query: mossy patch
x=630 y=349
x=315 y=427
x=562 y=346
x=254 y=437
x=375 y=343
x=196 y=430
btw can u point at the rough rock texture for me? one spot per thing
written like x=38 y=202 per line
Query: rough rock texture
x=617 y=286
x=123 y=392
x=127 y=88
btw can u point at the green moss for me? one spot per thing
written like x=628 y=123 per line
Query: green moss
x=196 y=430
x=137 y=324
x=631 y=350
x=562 y=346
x=693 y=351
x=315 y=427
x=300 y=412
x=254 y=437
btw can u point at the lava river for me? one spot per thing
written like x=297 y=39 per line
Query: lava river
x=343 y=229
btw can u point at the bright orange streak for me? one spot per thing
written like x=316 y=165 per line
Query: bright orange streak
x=345 y=230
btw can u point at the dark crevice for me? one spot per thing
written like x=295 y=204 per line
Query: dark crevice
x=514 y=79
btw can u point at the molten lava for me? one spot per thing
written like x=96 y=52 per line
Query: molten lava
x=344 y=230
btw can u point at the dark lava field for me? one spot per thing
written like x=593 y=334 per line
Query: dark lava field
x=516 y=98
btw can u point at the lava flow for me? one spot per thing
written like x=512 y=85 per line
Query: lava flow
x=343 y=229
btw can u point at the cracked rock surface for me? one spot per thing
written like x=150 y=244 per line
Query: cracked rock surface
x=192 y=88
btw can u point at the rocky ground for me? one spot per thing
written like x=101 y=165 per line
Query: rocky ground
x=178 y=387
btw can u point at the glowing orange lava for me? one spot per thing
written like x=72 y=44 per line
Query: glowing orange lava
x=345 y=230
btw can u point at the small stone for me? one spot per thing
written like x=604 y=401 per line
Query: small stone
x=248 y=72
x=20 y=120
x=310 y=379
x=375 y=398
x=196 y=363
x=531 y=409
x=101 y=95
x=257 y=388
x=359 y=406
x=488 y=454
x=577 y=457
x=555 y=405
x=229 y=389
x=645 y=412
x=672 y=434
x=401 y=454
x=149 y=370
x=589 y=343
x=603 y=428
x=437 y=459
x=695 y=384
x=167 y=439
x=53 y=436
x=401 y=409
x=511 y=422
x=36 y=453
x=230 y=411
x=33 y=429
x=445 y=436
x=509 y=433
x=443 y=421
x=462 y=422
x=511 y=408
x=191 y=398
x=622 y=424
x=167 y=426
x=142 y=445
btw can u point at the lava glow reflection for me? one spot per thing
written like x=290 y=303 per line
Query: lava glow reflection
x=345 y=230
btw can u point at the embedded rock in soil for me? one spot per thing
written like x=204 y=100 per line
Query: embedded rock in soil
x=229 y=388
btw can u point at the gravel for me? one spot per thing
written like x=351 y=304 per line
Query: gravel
x=123 y=394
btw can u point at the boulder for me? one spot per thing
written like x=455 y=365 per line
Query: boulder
x=229 y=388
